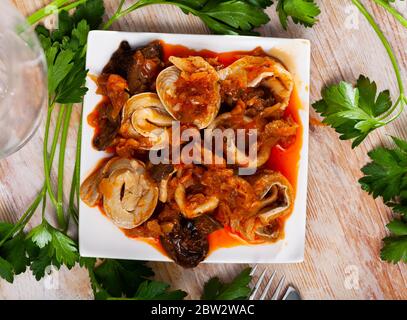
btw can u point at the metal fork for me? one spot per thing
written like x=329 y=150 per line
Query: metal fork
x=290 y=294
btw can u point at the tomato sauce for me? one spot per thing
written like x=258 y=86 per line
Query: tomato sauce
x=224 y=58
x=286 y=160
x=283 y=159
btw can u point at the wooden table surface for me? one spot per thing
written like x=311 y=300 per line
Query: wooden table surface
x=344 y=224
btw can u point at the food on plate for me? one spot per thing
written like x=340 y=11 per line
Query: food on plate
x=127 y=73
x=190 y=90
x=182 y=205
x=128 y=194
x=273 y=199
x=259 y=81
x=145 y=119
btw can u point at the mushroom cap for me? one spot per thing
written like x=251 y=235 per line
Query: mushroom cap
x=240 y=157
x=200 y=82
x=145 y=118
x=254 y=71
x=129 y=195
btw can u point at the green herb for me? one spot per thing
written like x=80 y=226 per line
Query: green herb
x=13 y=259
x=386 y=4
x=395 y=246
x=386 y=177
x=45 y=246
x=354 y=112
x=119 y=277
x=58 y=244
x=304 y=12
x=127 y=280
x=42 y=260
x=225 y=17
x=154 y=290
x=238 y=289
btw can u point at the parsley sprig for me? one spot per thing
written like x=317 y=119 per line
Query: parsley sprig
x=354 y=112
x=386 y=177
x=224 y=17
x=235 y=16
x=387 y=4
x=46 y=245
x=126 y=280
x=221 y=16
x=304 y=12
x=237 y=289
x=395 y=246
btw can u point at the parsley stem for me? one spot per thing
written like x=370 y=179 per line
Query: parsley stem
x=72 y=5
x=142 y=3
x=47 y=165
x=25 y=217
x=391 y=110
x=74 y=192
x=51 y=8
x=78 y=157
x=114 y=17
x=61 y=163
x=71 y=206
x=44 y=206
x=393 y=11
x=385 y=42
x=401 y=101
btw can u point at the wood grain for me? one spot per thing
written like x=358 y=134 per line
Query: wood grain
x=344 y=224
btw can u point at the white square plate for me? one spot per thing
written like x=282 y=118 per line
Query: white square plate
x=98 y=237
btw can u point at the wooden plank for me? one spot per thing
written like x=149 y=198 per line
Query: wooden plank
x=344 y=225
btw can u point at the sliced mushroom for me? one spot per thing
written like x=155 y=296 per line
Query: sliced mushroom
x=190 y=91
x=254 y=71
x=129 y=195
x=255 y=155
x=191 y=194
x=194 y=206
x=276 y=199
x=89 y=191
x=144 y=118
x=275 y=193
x=162 y=173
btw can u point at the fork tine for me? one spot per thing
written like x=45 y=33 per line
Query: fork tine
x=254 y=270
x=279 y=287
x=257 y=285
x=266 y=290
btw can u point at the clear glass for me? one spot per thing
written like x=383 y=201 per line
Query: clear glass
x=23 y=84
